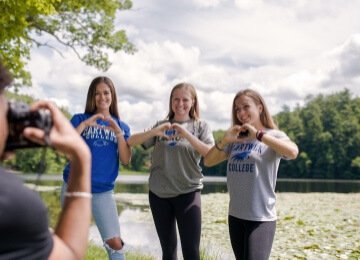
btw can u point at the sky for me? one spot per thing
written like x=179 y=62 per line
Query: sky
x=284 y=49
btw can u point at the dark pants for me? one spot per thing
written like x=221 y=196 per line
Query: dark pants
x=185 y=210
x=251 y=240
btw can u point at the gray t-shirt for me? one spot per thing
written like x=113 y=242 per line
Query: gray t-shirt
x=251 y=178
x=175 y=168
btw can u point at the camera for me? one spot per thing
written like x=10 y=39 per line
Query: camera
x=19 y=117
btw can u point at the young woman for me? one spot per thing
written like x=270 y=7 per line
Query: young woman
x=175 y=176
x=253 y=147
x=106 y=135
x=25 y=233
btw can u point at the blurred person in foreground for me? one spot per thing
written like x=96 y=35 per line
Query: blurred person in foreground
x=24 y=231
x=253 y=147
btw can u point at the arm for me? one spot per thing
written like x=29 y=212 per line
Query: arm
x=124 y=149
x=214 y=156
x=285 y=148
x=140 y=138
x=201 y=147
x=91 y=121
x=217 y=154
x=71 y=232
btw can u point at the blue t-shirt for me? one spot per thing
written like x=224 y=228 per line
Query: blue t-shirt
x=103 y=145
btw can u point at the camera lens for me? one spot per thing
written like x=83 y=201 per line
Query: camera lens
x=19 y=117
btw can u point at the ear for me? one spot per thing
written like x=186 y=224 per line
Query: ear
x=261 y=109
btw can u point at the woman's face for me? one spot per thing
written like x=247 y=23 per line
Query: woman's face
x=4 y=129
x=247 y=111
x=181 y=103
x=103 y=98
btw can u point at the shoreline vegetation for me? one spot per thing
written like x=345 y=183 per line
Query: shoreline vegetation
x=310 y=225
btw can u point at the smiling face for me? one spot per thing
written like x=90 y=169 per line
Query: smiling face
x=181 y=103
x=103 y=98
x=247 y=111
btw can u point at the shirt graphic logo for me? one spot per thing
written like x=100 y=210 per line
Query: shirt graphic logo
x=100 y=143
x=241 y=156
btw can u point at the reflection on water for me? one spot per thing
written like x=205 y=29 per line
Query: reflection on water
x=139 y=234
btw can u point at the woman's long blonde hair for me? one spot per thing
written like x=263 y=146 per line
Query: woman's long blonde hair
x=194 y=112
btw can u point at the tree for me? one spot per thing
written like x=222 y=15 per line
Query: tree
x=85 y=26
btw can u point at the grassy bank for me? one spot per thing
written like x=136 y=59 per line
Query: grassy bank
x=310 y=225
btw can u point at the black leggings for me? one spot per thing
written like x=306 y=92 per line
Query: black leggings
x=251 y=240
x=185 y=210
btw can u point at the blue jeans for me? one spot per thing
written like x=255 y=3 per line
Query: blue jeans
x=105 y=214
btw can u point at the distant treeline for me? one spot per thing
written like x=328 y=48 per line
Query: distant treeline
x=326 y=129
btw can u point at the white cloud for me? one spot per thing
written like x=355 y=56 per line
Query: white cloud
x=248 y=4
x=286 y=50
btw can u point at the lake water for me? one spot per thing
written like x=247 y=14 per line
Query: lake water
x=138 y=184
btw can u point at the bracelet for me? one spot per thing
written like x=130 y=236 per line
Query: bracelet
x=259 y=135
x=78 y=194
x=217 y=146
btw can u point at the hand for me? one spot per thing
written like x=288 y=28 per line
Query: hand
x=181 y=131
x=62 y=135
x=160 y=130
x=113 y=126
x=239 y=133
x=92 y=121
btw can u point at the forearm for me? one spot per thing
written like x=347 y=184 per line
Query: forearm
x=285 y=148
x=74 y=221
x=140 y=138
x=81 y=127
x=124 y=150
x=201 y=147
x=215 y=155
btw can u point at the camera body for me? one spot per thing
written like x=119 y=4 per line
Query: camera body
x=19 y=117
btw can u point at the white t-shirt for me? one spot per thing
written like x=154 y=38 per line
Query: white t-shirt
x=251 y=178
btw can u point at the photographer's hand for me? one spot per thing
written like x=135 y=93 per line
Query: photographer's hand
x=71 y=233
x=63 y=136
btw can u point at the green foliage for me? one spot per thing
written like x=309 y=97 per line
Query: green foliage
x=85 y=26
x=140 y=159
x=52 y=202
x=94 y=252
x=327 y=131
